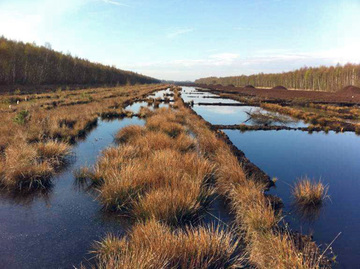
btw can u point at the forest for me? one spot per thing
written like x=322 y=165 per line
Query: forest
x=321 y=78
x=29 y=64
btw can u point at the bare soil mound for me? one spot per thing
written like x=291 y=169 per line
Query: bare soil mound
x=350 y=90
x=279 y=88
x=249 y=87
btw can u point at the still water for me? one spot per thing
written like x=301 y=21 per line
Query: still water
x=57 y=229
x=333 y=158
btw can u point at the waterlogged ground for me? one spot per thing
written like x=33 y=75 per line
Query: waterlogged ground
x=229 y=114
x=288 y=155
x=57 y=229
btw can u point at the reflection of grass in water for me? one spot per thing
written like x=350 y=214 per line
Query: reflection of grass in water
x=308 y=213
x=28 y=197
x=268 y=118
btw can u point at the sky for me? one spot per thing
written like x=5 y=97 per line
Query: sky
x=190 y=39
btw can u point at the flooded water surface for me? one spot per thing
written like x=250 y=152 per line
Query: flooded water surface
x=57 y=229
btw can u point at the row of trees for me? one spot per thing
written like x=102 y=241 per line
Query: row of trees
x=29 y=64
x=321 y=78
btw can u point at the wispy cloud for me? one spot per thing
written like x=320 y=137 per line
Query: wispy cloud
x=179 y=32
x=116 y=3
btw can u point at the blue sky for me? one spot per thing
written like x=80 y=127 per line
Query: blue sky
x=185 y=40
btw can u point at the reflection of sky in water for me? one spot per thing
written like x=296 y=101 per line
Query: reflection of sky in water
x=230 y=115
x=223 y=110
x=332 y=157
x=160 y=94
x=135 y=107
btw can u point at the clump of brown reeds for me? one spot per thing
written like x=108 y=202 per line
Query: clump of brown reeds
x=307 y=192
x=154 y=245
x=32 y=165
x=53 y=151
x=172 y=204
x=125 y=181
x=281 y=249
x=23 y=169
x=129 y=132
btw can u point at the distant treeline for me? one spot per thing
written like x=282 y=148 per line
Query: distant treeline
x=29 y=64
x=318 y=79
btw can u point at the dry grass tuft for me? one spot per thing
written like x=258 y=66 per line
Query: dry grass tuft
x=309 y=193
x=282 y=251
x=172 y=204
x=53 y=151
x=129 y=132
x=24 y=169
x=154 y=245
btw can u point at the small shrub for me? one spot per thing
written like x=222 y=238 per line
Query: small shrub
x=22 y=117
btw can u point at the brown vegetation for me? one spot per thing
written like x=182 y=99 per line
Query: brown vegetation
x=36 y=131
x=154 y=245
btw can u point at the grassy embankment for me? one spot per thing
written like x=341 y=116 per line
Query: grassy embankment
x=37 y=130
x=162 y=175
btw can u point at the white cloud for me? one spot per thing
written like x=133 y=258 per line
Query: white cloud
x=116 y=3
x=223 y=58
x=179 y=32
x=31 y=21
x=231 y=64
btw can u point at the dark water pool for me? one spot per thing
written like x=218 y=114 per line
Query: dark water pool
x=57 y=229
x=333 y=158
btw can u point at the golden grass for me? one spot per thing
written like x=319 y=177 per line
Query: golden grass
x=23 y=169
x=280 y=250
x=172 y=204
x=307 y=192
x=53 y=151
x=154 y=245
x=129 y=132
x=125 y=182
